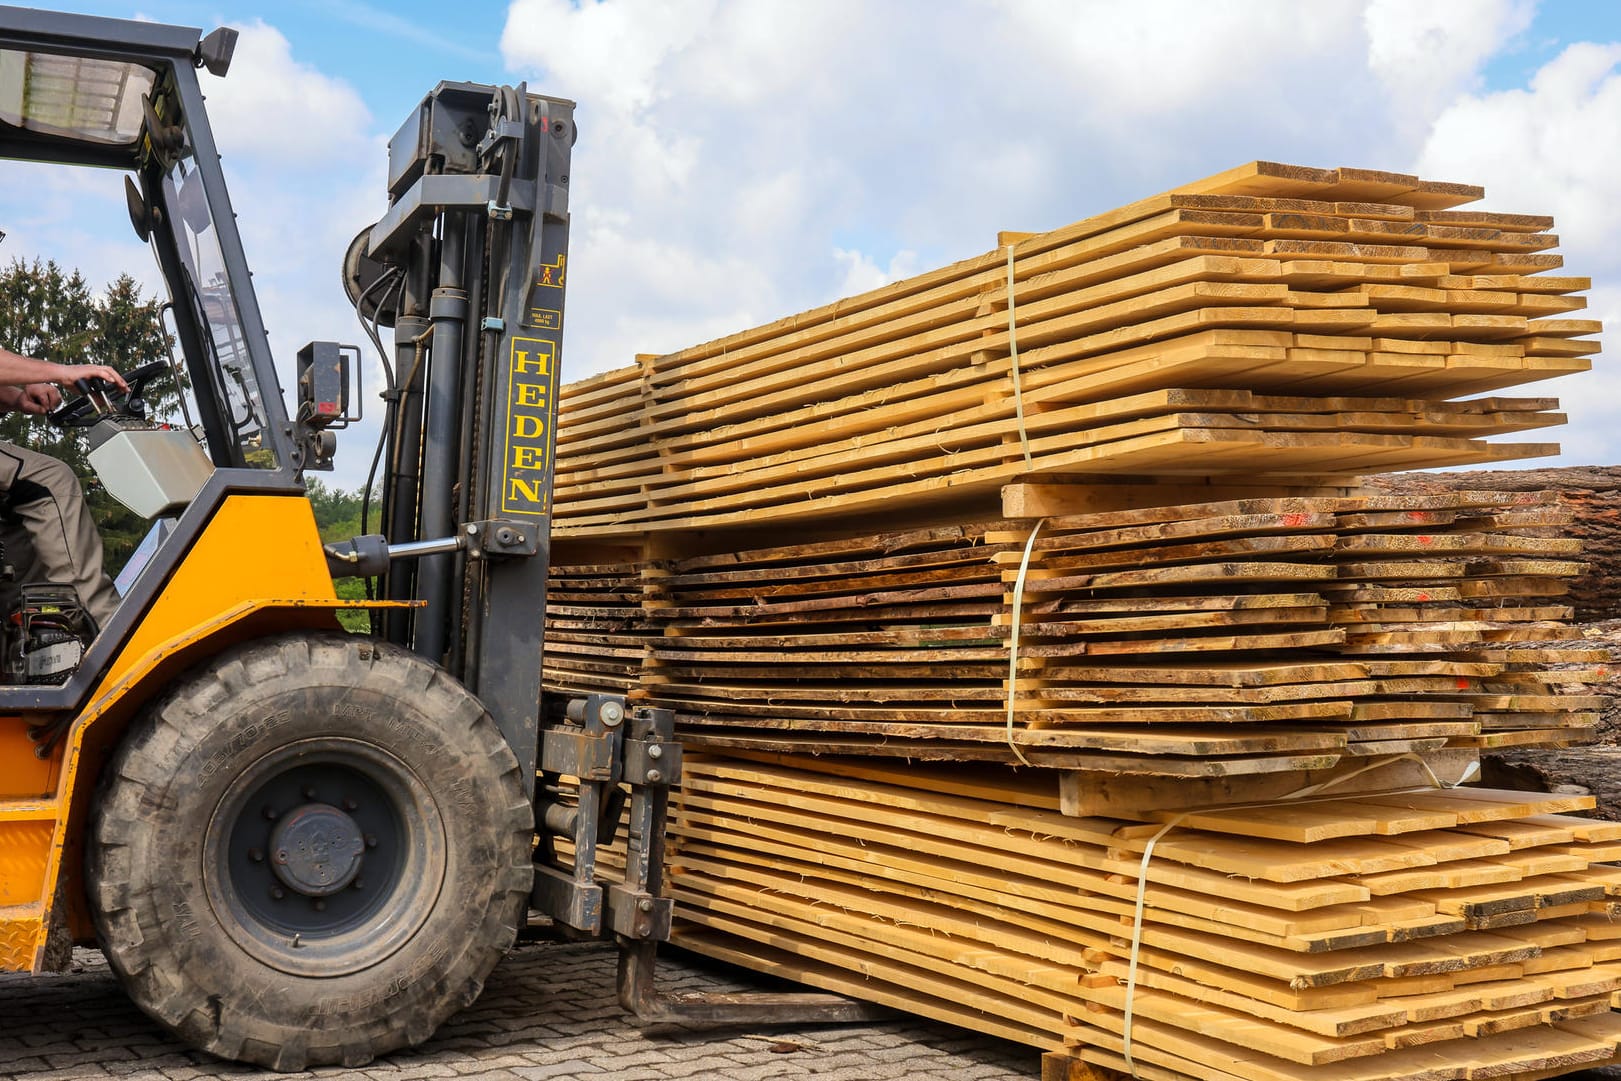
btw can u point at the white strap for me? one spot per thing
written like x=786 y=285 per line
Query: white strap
x=1013 y=351
x=1013 y=640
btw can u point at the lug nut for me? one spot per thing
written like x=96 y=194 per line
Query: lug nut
x=270 y=813
x=277 y=892
x=256 y=855
x=358 y=884
x=320 y=905
x=350 y=805
x=371 y=840
x=309 y=792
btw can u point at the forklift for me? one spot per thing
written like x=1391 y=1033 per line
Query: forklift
x=297 y=845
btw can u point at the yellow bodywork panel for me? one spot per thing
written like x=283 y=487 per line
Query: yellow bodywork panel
x=256 y=569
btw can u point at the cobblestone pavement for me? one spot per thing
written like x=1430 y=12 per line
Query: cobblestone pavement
x=548 y=1013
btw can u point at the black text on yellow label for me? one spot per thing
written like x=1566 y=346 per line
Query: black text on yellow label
x=531 y=397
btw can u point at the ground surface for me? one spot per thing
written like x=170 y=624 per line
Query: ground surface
x=548 y=1013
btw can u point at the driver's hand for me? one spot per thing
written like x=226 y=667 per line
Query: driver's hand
x=38 y=399
x=68 y=374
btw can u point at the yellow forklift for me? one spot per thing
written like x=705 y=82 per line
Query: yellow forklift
x=299 y=846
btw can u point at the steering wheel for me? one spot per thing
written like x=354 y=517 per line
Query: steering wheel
x=83 y=411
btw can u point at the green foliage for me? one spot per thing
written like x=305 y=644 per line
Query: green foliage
x=337 y=513
x=353 y=620
x=50 y=313
x=337 y=516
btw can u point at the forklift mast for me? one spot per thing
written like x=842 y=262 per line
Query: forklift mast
x=469 y=267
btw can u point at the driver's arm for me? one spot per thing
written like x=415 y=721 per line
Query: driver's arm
x=17 y=370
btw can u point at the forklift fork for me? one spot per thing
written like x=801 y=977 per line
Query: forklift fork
x=727 y=1009
x=604 y=746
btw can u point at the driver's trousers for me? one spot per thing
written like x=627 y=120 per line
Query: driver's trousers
x=48 y=534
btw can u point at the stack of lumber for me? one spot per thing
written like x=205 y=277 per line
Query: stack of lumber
x=1426 y=935
x=1273 y=321
x=1481 y=578
x=595 y=632
x=1122 y=538
x=1305 y=631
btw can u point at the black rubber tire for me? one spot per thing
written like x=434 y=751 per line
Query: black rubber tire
x=176 y=790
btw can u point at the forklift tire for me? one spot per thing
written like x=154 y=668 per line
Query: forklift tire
x=311 y=851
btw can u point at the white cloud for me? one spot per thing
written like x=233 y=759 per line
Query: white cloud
x=1161 y=57
x=273 y=108
x=861 y=273
x=1427 y=54
x=1553 y=147
x=616 y=49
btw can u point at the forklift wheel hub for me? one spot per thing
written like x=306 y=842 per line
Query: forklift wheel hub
x=317 y=850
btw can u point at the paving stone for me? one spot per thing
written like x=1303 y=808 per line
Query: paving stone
x=140 y=1061
x=631 y=1058
x=701 y=1065
x=419 y=1072
x=559 y=1071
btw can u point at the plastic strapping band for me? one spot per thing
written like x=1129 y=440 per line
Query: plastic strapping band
x=1013 y=639
x=1137 y=934
x=1148 y=855
x=1013 y=352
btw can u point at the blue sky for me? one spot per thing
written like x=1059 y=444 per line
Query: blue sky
x=740 y=160
x=1558 y=23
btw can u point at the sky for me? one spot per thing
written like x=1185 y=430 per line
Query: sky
x=741 y=160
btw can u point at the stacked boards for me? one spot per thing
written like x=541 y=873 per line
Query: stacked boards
x=1305 y=632
x=1423 y=935
x=1122 y=539
x=1273 y=322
